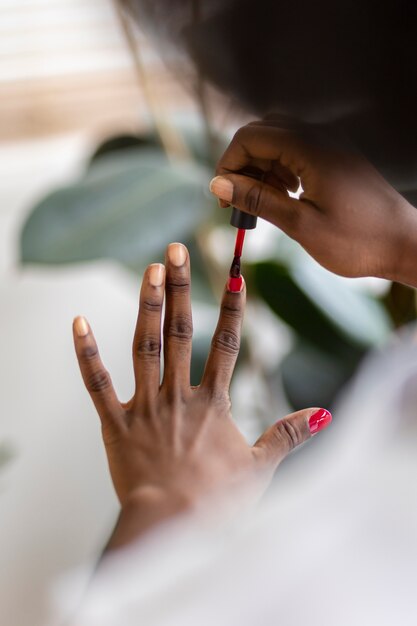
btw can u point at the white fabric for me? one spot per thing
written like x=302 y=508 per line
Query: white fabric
x=334 y=544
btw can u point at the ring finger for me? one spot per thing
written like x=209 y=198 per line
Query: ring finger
x=225 y=344
x=147 y=339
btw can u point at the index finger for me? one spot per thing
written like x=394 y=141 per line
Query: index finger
x=225 y=343
x=260 y=141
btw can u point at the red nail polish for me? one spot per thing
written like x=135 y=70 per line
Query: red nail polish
x=235 y=283
x=319 y=420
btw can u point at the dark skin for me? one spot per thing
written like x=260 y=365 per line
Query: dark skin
x=348 y=218
x=173 y=446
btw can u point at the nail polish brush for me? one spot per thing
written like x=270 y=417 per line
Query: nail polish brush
x=243 y=222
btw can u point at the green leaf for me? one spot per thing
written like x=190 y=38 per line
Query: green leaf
x=357 y=315
x=321 y=308
x=201 y=348
x=277 y=287
x=311 y=377
x=128 y=207
x=400 y=302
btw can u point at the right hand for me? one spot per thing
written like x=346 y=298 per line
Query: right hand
x=348 y=217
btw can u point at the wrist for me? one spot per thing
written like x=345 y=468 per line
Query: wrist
x=143 y=509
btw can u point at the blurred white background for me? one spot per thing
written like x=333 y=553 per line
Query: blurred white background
x=66 y=81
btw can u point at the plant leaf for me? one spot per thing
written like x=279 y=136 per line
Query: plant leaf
x=128 y=207
x=311 y=377
x=320 y=308
x=276 y=286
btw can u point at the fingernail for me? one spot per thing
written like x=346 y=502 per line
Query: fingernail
x=177 y=254
x=156 y=274
x=319 y=420
x=222 y=187
x=81 y=326
x=235 y=284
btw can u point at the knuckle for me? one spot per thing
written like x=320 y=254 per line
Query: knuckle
x=241 y=133
x=110 y=434
x=217 y=394
x=180 y=327
x=231 y=309
x=287 y=434
x=227 y=341
x=177 y=287
x=151 y=305
x=113 y=432
x=148 y=347
x=293 y=220
x=88 y=353
x=220 y=399
x=98 y=381
x=238 y=135
x=253 y=199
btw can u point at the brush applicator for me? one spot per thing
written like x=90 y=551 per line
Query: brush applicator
x=243 y=222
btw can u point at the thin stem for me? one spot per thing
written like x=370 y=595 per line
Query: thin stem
x=172 y=142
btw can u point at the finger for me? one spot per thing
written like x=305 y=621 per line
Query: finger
x=268 y=169
x=267 y=142
x=225 y=343
x=279 y=176
x=288 y=433
x=284 y=121
x=96 y=378
x=147 y=339
x=260 y=199
x=178 y=326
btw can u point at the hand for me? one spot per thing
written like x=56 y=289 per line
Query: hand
x=348 y=217
x=173 y=445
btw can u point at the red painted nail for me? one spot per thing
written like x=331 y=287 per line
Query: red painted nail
x=319 y=420
x=235 y=284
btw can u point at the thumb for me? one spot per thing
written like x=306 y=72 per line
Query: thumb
x=288 y=433
x=258 y=198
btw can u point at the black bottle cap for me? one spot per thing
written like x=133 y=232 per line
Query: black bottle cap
x=239 y=219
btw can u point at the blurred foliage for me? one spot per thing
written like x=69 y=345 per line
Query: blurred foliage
x=132 y=201
x=400 y=301
x=125 y=208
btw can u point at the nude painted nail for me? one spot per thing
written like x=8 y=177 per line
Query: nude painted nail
x=319 y=420
x=81 y=326
x=177 y=254
x=156 y=274
x=222 y=188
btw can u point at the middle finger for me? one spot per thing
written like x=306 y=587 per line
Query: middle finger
x=178 y=326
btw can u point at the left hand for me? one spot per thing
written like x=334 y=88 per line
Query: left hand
x=173 y=445
x=348 y=217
